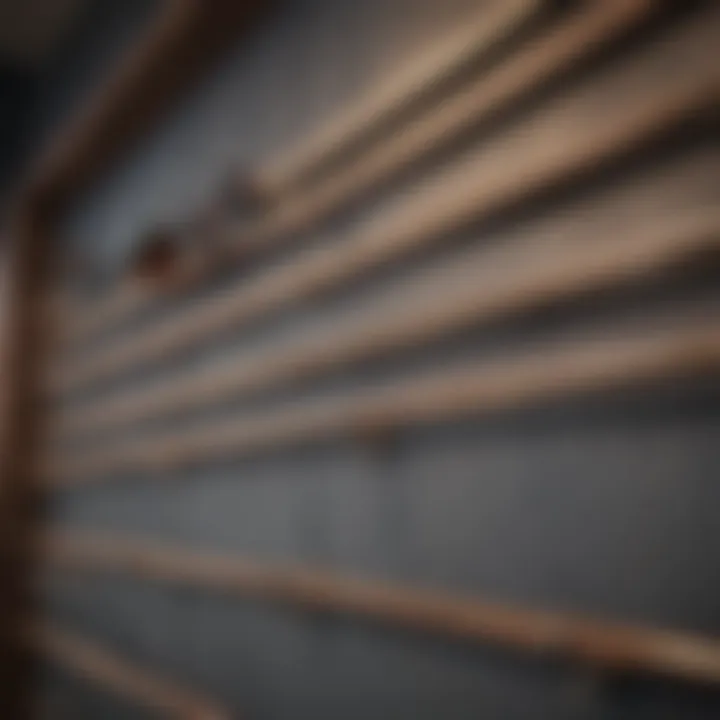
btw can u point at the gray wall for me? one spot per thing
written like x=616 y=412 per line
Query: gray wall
x=605 y=506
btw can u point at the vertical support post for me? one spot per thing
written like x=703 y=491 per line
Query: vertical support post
x=26 y=265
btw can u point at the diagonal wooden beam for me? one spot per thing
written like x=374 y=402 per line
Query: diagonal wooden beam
x=600 y=644
x=304 y=205
x=530 y=158
x=178 y=45
x=118 y=675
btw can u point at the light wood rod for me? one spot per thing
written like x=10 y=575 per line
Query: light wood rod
x=537 y=154
x=578 y=35
x=423 y=78
x=601 y=363
x=445 y=299
x=599 y=644
x=538 y=62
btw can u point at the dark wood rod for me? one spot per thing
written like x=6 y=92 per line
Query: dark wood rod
x=179 y=43
x=118 y=675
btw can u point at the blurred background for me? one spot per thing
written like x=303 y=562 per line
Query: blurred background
x=53 y=54
x=375 y=360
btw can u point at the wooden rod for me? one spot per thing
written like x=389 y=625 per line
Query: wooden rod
x=578 y=35
x=421 y=79
x=118 y=675
x=26 y=266
x=539 y=153
x=604 y=363
x=539 y=62
x=181 y=41
x=447 y=298
x=599 y=644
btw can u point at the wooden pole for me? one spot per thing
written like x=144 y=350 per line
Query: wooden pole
x=541 y=155
x=26 y=266
x=605 y=645
x=525 y=70
x=446 y=299
x=177 y=46
x=540 y=61
x=419 y=81
x=119 y=676
x=184 y=35
x=603 y=363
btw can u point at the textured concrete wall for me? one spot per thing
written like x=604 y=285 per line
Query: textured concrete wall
x=605 y=506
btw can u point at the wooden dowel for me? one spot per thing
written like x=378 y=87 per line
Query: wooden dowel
x=604 y=363
x=119 y=676
x=599 y=644
x=183 y=37
x=447 y=298
x=540 y=61
x=26 y=264
x=578 y=35
x=424 y=77
x=529 y=158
